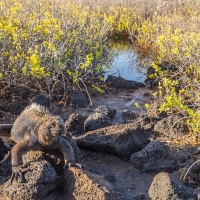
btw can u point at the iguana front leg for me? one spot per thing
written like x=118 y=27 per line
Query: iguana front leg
x=68 y=153
x=16 y=158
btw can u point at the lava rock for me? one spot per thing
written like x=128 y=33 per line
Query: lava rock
x=96 y=121
x=74 y=126
x=165 y=186
x=121 y=140
x=191 y=175
x=109 y=112
x=173 y=126
x=120 y=83
x=3 y=150
x=17 y=107
x=157 y=156
x=5 y=160
x=41 y=180
x=81 y=184
x=127 y=114
x=41 y=100
x=100 y=118
x=77 y=99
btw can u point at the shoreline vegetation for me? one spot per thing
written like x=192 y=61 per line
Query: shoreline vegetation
x=47 y=43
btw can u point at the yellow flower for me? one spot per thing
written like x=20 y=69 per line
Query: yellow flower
x=137 y=105
x=147 y=106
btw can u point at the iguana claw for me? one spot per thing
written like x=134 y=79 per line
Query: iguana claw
x=18 y=173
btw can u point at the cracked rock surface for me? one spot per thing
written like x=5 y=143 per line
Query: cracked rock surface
x=41 y=179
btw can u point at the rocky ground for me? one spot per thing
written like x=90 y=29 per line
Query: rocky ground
x=126 y=155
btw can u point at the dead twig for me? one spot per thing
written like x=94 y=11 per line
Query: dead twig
x=183 y=179
x=6 y=113
x=86 y=91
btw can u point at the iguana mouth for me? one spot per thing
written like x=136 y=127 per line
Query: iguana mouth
x=48 y=141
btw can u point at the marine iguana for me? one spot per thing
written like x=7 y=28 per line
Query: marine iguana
x=38 y=129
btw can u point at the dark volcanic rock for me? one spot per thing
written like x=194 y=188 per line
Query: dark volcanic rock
x=17 y=96
x=81 y=185
x=158 y=156
x=145 y=123
x=121 y=140
x=74 y=126
x=5 y=160
x=173 y=126
x=3 y=149
x=41 y=180
x=100 y=118
x=191 y=175
x=77 y=99
x=127 y=114
x=41 y=100
x=17 y=107
x=5 y=129
x=109 y=112
x=20 y=91
x=14 y=98
x=5 y=165
x=120 y=83
x=96 y=121
x=165 y=186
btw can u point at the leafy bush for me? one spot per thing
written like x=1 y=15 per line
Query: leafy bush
x=46 y=42
x=174 y=38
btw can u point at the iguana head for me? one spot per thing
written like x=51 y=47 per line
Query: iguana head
x=49 y=129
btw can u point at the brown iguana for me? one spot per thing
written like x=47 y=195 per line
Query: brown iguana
x=38 y=129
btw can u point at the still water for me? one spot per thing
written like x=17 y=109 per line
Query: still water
x=124 y=65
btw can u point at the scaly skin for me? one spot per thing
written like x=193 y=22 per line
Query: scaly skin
x=37 y=129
